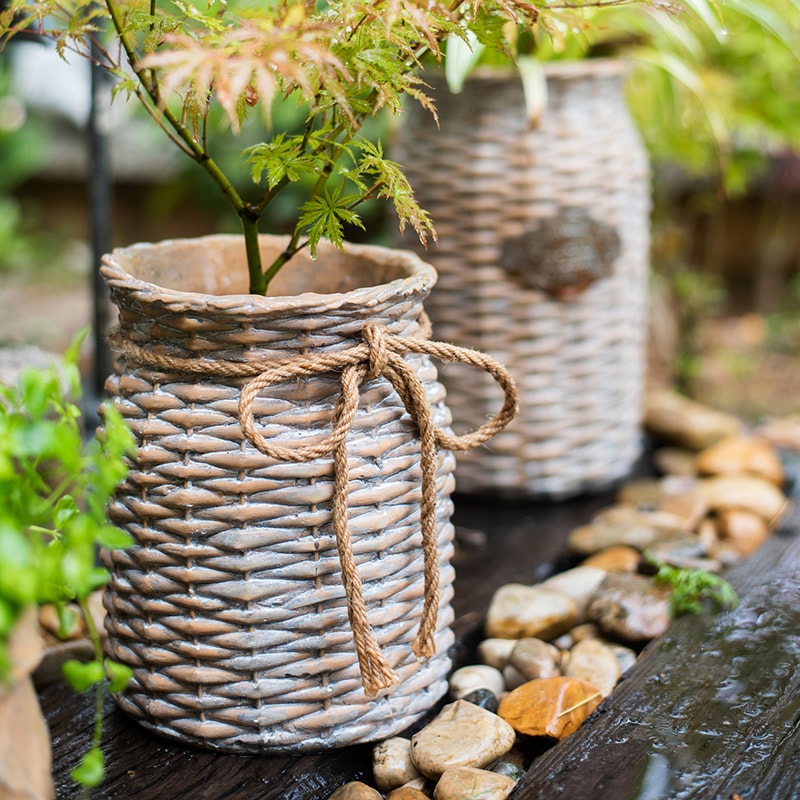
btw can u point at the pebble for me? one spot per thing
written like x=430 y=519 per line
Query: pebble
x=508 y=768
x=588 y=630
x=495 y=652
x=466 y=783
x=683 y=498
x=356 y=790
x=631 y=607
x=643 y=493
x=626 y=657
x=686 y=422
x=483 y=698
x=551 y=707
x=517 y=611
x=750 y=455
x=392 y=765
x=579 y=583
x=686 y=552
x=593 y=661
x=624 y=525
x=744 y=492
x=675 y=461
x=743 y=530
x=476 y=676
x=616 y=558
x=535 y=658
x=407 y=793
x=461 y=735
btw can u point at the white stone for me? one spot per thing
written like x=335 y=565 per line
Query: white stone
x=465 y=783
x=593 y=661
x=579 y=583
x=534 y=658
x=517 y=611
x=461 y=735
x=495 y=652
x=392 y=765
x=476 y=676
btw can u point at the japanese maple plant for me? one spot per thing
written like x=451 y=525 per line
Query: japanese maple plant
x=344 y=61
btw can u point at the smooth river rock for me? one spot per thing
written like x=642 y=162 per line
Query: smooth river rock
x=750 y=455
x=496 y=652
x=468 y=783
x=392 y=765
x=579 y=583
x=356 y=790
x=593 y=661
x=744 y=530
x=686 y=422
x=631 y=607
x=534 y=658
x=461 y=735
x=624 y=525
x=476 y=676
x=517 y=611
x=407 y=793
x=551 y=707
x=744 y=492
x=616 y=558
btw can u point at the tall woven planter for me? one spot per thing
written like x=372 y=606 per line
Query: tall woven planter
x=489 y=179
x=230 y=607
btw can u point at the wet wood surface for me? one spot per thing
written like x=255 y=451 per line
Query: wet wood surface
x=710 y=710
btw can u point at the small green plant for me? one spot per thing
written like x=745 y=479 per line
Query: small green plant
x=55 y=485
x=691 y=587
x=341 y=61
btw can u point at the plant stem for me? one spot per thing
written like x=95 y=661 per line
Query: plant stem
x=258 y=279
x=248 y=216
x=100 y=689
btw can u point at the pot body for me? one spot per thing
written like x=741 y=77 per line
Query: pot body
x=489 y=178
x=230 y=607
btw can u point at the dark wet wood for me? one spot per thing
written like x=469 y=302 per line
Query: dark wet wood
x=708 y=711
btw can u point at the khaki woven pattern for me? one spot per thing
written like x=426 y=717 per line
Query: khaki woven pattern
x=485 y=176
x=230 y=607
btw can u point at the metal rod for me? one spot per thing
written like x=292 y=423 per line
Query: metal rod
x=100 y=192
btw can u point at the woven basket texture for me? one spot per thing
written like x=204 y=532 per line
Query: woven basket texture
x=230 y=606
x=486 y=176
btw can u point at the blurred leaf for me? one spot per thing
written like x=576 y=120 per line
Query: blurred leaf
x=82 y=676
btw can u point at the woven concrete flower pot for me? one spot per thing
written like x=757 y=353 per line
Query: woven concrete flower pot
x=489 y=180
x=231 y=608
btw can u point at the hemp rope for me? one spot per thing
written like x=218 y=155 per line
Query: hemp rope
x=380 y=354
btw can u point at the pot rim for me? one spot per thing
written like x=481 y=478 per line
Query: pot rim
x=420 y=279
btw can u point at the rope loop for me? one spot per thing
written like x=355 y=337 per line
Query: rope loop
x=379 y=355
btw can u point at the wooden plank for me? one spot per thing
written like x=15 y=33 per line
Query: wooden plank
x=523 y=541
x=711 y=709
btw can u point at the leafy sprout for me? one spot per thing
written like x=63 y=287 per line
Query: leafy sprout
x=691 y=587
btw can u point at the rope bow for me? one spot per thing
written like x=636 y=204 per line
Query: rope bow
x=380 y=354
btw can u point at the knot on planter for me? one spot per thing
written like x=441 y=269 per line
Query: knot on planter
x=379 y=355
